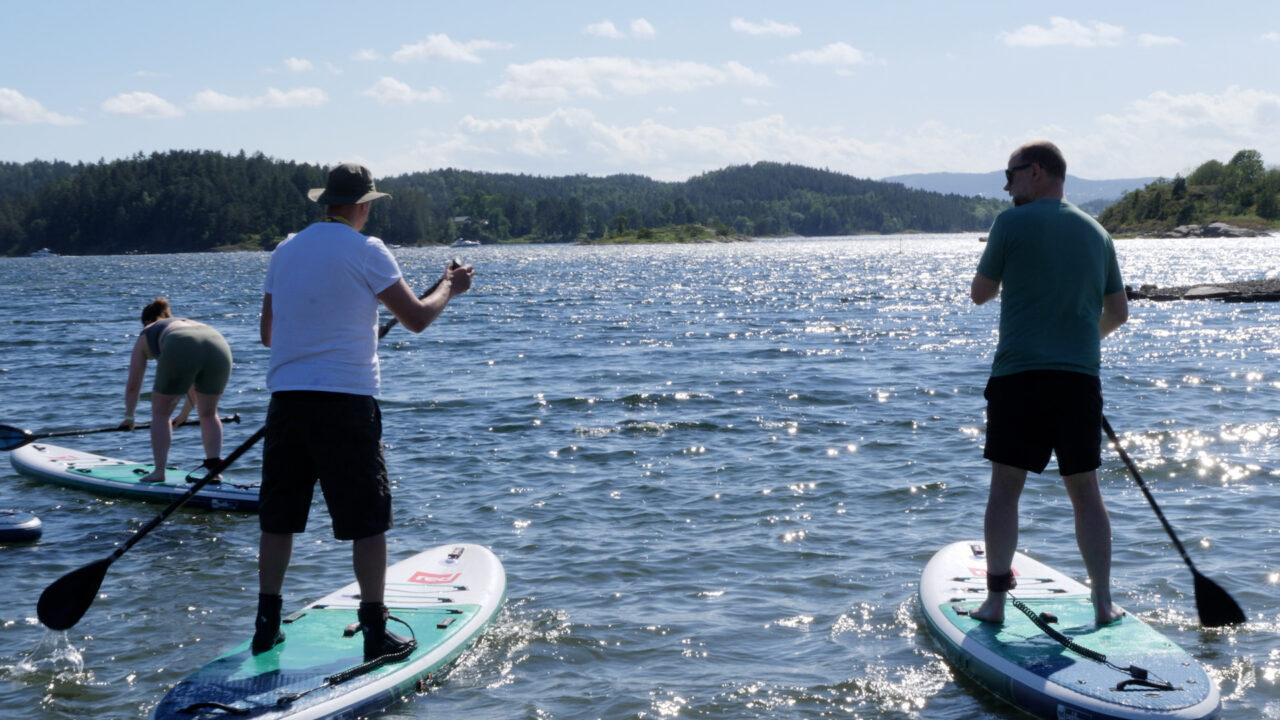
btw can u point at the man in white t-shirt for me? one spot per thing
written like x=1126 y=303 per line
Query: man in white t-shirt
x=320 y=319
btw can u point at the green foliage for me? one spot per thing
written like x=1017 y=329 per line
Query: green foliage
x=1242 y=192
x=184 y=201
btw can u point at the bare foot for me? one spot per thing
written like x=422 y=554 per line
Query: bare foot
x=155 y=476
x=992 y=609
x=1112 y=614
x=1106 y=612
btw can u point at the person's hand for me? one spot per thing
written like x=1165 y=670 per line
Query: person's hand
x=459 y=278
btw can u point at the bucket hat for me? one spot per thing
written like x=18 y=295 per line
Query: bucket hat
x=349 y=184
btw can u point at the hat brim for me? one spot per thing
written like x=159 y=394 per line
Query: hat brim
x=324 y=198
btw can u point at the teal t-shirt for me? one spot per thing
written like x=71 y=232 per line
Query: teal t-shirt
x=1054 y=264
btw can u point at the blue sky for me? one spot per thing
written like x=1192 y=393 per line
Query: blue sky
x=663 y=89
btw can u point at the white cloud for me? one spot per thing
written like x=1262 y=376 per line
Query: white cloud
x=570 y=140
x=297 y=64
x=836 y=54
x=17 y=109
x=1149 y=40
x=141 y=104
x=1062 y=31
x=443 y=47
x=642 y=28
x=556 y=80
x=764 y=27
x=390 y=91
x=604 y=29
x=1271 y=36
x=365 y=55
x=273 y=98
x=1200 y=126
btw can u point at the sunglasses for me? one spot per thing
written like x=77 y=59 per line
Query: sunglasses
x=1008 y=173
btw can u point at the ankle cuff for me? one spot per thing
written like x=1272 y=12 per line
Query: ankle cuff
x=1001 y=583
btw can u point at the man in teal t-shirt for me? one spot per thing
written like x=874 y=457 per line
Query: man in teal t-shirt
x=1055 y=270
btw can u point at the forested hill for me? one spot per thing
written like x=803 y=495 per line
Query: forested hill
x=185 y=201
x=1242 y=192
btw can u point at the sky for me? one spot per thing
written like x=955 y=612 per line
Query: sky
x=668 y=90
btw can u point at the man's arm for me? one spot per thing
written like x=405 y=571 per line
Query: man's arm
x=264 y=325
x=416 y=314
x=983 y=289
x=1115 y=312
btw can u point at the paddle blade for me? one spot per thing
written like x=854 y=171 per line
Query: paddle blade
x=12 y=438
x=1215 y=606
x=63 y=603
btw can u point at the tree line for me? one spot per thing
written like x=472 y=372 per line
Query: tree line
x=1243 y=192
x=188 y=201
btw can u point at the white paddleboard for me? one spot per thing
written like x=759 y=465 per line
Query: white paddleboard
x=112 y=477
x=1024 y=666
x=448 y=595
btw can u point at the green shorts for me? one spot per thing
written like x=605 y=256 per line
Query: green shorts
x=192 y=355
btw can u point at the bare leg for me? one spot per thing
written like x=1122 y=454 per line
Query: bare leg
x=1093 y=537
x=162 y=407
x=210 y=424
x=369 y=556
x=1000 y=528
x=274 y=552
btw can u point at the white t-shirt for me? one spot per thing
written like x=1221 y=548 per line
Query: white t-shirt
x=323 y=284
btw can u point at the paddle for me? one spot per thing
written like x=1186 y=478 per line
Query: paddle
x=12 y=438
x=1215 y=606
x=63 y=603
x=386 y=327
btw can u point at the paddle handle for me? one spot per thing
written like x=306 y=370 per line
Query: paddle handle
x=386 y=327
x=1133 y=469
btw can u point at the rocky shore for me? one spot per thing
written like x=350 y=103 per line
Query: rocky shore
x=1213 y=230
x=1240 y=291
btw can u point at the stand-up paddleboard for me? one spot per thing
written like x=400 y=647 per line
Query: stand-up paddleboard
x=1022 y=664
x=19 y=526
x=448 y=595
x=121 y=478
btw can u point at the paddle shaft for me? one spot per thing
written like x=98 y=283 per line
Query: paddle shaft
x=386 y=327
x=1133 y=469
x=29 y=437
x=191 y=491
x=68 y=598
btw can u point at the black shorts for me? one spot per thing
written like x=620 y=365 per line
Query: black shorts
x=1033 y=414
x=335 y=438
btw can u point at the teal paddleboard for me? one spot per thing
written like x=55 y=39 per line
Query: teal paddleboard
x=111 y=477
x=448 y=595
x=1141 y=674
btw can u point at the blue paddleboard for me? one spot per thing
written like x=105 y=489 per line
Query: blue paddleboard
x=19 y=526
x=120 y=478
x=448 y=595
x=1021 y=664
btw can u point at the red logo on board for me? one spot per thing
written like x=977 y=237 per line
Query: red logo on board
x=982 y=572
x=427 y=578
